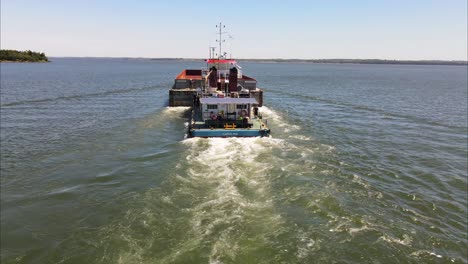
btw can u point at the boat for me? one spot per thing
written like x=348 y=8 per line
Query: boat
x=224 y=102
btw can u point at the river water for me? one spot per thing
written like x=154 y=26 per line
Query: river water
x=366 y=164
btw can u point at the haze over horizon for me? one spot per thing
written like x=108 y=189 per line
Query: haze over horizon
x=396 y=30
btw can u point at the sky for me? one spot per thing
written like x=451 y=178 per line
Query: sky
x=288 y=29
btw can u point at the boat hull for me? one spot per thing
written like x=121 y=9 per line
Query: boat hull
x=229 y=133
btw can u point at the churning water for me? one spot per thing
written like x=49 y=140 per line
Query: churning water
x=366 y=164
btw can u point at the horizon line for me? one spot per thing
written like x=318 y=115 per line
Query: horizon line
x=266 y=59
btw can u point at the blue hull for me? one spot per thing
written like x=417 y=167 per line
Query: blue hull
x=228 y=133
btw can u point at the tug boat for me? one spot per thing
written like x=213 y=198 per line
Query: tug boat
x=224 y=102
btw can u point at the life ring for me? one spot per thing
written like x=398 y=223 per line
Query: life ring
x=214 y=117
x=243 y=112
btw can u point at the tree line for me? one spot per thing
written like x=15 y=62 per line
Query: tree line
x=22 y=56
x=367 y=61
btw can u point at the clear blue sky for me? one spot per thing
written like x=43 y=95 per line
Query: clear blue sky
x=393 y=29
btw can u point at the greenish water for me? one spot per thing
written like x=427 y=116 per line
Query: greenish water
x=366 y=164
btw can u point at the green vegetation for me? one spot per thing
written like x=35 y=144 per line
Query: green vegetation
x=22 y=56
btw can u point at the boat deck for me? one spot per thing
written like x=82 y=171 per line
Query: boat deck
x=252 y=124
x=228 y=127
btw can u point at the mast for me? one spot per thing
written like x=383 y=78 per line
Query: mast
x=220 y=40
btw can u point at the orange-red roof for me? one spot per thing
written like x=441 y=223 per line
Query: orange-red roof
x=190 y=74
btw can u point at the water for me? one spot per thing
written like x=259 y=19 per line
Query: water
x=366 y=164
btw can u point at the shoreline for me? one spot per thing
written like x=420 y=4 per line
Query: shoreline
x=316 y=61
x=5 y=61
x=321 y=61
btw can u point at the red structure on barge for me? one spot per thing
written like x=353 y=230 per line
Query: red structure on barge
x=222 y=73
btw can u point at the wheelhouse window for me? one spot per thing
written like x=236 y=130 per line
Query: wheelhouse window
x=242 y=106
x=211 y=106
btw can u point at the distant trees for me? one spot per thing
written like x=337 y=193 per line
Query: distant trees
x=368 y=61
x=22 y=56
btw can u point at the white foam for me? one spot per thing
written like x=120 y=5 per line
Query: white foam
x=175 y=109
x=355 y=230
x=277 y=119
x=220 y=166
x=269 y=112
x=360 y=181
x=425 y=252
x=406 y=241
x=306 y=245
x=300 y=137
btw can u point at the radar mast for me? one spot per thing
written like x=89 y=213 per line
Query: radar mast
x=220 y=40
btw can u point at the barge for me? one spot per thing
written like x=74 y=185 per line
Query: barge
x=224 y=102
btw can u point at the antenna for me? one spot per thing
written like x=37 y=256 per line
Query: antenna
x=212 y=52
x=230 y=45
x=220 y=40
